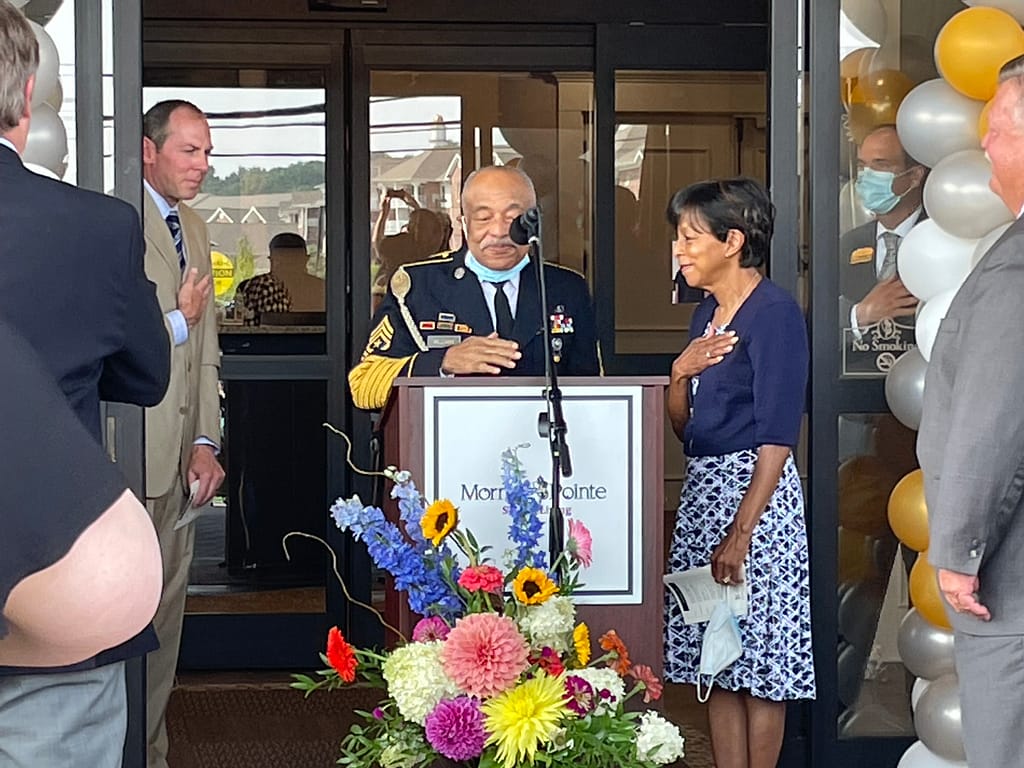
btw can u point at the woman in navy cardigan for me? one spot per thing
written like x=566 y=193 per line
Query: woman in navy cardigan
x=735 y=399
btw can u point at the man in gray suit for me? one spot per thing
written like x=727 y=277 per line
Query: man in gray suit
x=971 y=448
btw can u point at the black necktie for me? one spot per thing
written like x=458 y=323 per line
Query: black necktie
x=174 y=224
x=502 y=311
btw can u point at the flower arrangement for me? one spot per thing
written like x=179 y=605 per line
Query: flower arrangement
x=497 y=672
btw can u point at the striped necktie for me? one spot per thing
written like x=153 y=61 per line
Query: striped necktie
x=174 y=224
x=892 y=246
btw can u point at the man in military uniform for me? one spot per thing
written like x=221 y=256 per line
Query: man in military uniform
x=478 y=311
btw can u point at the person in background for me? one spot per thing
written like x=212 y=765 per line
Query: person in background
x=478 y=311
x=183 y=431
x=735 y=399
x=78 y=550
x=266 y=292
x=72 y=286
x=970 y=445
x=890 y=184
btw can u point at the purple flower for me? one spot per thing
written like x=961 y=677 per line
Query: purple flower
x=378 y=713
x=430 y=628
x=524 y=507
x=579 y=695
x=456 y=728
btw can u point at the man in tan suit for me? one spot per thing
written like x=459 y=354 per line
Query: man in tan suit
x=183 y=431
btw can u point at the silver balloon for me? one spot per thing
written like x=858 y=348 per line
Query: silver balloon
x=1013 y=7
x=987 y=242
x=47 y=143
x=48 y=72
x=850 y=668
x=937 y=719
x=858 y=614
x=932 y=260
x=920 y=686
x=18 y=3
x=957 y=195
x=928 y=321
x=904 y=388
x=868 y=16
x=926 y=650
x=852 y=212
x=935 y=121
x=55 y=97
x=919 y=756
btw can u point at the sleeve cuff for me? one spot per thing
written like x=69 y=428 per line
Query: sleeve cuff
x=179 y=326
x=203 y=440
x=856 y=329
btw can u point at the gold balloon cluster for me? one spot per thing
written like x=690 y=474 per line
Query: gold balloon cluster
x=969 y=51
x=908 y=518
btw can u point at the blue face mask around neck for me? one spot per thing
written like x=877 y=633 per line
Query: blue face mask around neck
x=874 y=188
x=489 y=275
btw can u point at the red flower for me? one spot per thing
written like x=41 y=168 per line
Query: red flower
x=652 y=685
x=548 y=660
x=341 y=656
x=482 y=578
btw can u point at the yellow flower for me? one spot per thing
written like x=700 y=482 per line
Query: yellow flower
x=581 y=639
x=524 y=718
x=438 y=520
x=532 y=586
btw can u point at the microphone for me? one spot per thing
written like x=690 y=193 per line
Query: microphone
x=525 y=227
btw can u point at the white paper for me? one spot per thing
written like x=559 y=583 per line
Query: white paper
x=697 y=593
x=189 y=511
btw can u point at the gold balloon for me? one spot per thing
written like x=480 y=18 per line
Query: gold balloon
x=875 y=99
x=864 y=485
x=908 y=515
x=854 y=562
x=925 y=595
x=849 y=73
x=983 y=120
x=973 y=45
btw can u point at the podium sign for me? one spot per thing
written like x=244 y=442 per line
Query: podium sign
x=468 y=428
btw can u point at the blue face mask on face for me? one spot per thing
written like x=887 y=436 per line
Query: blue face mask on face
x=874 y=188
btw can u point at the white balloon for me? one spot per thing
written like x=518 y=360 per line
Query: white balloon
x=987 y=242
x=47 y=143
x=1013 y=7
x=48 y=72
x=919 y=756
x=958 y=197
x=932 y=261
x=927 y=327
x=38 y=169
x=904 y=390
x=852 y=212
x=868 y=16
x=920 y=686
x=934 y=121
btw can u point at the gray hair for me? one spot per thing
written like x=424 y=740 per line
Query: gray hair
x=1013 y=70
x=507 y=170
x=19 y=60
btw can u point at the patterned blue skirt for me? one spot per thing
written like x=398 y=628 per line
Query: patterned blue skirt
x=777 y=661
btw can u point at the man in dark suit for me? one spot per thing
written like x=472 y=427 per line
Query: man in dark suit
x=971 y=448
x=478 y=311
x=72 y=284
x=890 y=184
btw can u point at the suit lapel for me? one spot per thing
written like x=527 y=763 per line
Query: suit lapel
x=158 y=235
x=461 y=288
x=529 y=314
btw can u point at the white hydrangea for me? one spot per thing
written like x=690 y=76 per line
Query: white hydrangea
x=603 y=679
x=416 y=679
x=549 y=624
x=658 y=740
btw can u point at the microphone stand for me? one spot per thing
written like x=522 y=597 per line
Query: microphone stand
x=551 y=423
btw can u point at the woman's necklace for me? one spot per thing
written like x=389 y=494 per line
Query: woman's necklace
x=726 y=318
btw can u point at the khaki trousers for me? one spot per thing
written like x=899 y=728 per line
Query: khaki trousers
x=161 y=665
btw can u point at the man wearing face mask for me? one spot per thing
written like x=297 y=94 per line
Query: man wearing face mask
x=478 y=311
x=889 y=184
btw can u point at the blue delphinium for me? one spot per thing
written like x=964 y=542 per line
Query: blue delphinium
x=421 y=576
x=524 y=508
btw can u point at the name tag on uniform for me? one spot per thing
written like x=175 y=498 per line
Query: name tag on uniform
x=441 y=341
x=861 y=255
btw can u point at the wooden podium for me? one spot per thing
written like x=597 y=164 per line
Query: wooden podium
x=450 y=433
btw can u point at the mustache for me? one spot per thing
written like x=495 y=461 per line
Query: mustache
x=499 y=241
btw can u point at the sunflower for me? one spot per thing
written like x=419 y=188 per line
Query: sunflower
x=524 y=718
x=581 y=640
x=438 y=520
x=532 y=586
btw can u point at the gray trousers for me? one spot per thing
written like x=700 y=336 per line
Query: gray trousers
x=991 y=674
x=63 y=720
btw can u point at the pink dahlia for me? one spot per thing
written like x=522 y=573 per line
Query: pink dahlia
x=484 y=654
x=482 y=578
x=456 y=728
x=429 y=629
x=581 y=544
